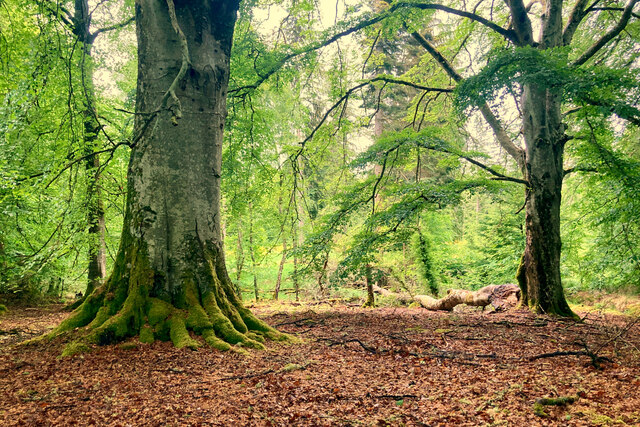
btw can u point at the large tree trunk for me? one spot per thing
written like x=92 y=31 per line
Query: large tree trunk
x=539 y=272
x=170 y=275
x=544 y=136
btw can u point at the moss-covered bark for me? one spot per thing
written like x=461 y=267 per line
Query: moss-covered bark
x=204 y=306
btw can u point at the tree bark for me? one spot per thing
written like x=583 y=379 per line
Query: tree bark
x=170 y=276
x=97 y=265
x=252 y=255
x=294 y=243
x=539 y=272
x=371 y=301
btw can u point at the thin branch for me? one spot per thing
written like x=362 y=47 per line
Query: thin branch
x=186 y=62
x=508 y=34
x=113 y=27
x=349 y=92
x=501 y=135
x=610 y=35
x=614 y=9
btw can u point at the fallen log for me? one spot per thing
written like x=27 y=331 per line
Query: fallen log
x=501 y=297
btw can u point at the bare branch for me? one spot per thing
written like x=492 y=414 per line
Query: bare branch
x=113 y=27
x=610 y=35
x=349 y=92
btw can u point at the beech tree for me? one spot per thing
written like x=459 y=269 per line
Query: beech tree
x=170 y=276
x=554 y=58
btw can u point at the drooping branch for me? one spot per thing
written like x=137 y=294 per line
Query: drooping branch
x=501 y=135
x=498 y=176
x=348 y=93
x=608 y=36
x=507 y=34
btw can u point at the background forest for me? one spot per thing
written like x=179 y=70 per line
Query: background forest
x=333 y=129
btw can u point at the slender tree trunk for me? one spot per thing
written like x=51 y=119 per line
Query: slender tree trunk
x=322 y=274
x=170 y=275
x=253 y=255
x=295 y=279
x=370 y=302
x=97 y=268
x=276 y=291
x=239 y=260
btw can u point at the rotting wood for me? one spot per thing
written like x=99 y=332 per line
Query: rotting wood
x=501 y=297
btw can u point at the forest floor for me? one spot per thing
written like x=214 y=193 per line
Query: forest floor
x=385 y=366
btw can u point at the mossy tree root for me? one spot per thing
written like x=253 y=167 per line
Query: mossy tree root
x=125 y=307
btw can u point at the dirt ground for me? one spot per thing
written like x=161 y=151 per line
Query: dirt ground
x=385 y=366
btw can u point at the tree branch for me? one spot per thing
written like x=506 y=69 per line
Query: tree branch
x=348 y=93
x=614 y=9
x=610 y=35
x=499 y=176
x=508 y=34
x=577 y=14
x=501 y=135
x=117 y=26
x=521 y=22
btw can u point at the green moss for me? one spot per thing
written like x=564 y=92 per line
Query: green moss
x=83 y=315
x=538 y=406
x=74 y=348
x=161 y=331
x=256 y=337
x=213 y=341
x=291 y=367
x=158 y=311
x=146 y=334
x=223 y=326
x=128 y=346
x=179 y=334
x=230 y=311
x=198 y=320
x=3 y=309
x=101 y=317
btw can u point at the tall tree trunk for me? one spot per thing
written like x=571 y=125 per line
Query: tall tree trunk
x=97 y=268
x=544 y=137
x=539 y=272
x=169 y=275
